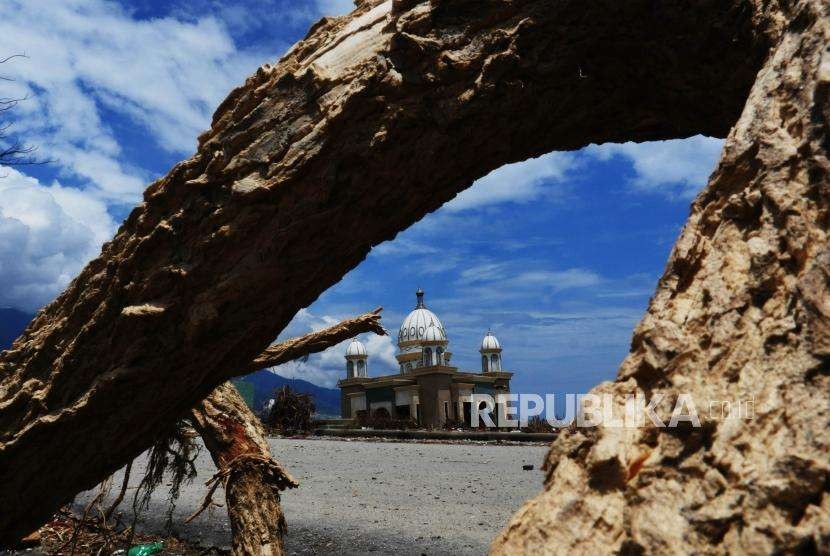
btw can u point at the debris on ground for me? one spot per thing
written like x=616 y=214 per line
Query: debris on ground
x=68 y=534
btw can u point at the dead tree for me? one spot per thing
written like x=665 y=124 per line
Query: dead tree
x=13 y=151
x=292 y=412
x=234 y=437
x=392 y=111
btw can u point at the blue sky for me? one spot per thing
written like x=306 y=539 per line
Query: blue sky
x=558 y=255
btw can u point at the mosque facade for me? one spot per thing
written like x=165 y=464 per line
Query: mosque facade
x=427 y=387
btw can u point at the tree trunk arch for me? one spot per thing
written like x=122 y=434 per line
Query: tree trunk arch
x=232 y=242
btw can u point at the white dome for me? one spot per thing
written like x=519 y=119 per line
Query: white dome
x=434 y=334
x=418 y=321
x=490 y=342
x=356 y=348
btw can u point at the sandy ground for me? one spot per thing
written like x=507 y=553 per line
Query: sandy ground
x=359 y=497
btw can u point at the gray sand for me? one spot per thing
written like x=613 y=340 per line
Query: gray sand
x=359 y=497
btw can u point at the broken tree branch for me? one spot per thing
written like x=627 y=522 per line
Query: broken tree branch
x=236 y=441
x=316 y=342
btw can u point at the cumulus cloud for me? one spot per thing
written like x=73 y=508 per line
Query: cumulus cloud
x=326 y=368
x=88 y=59
x=521 y=182
x=679 y=167
x=98 y=81
x=47 y=234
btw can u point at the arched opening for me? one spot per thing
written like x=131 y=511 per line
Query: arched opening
x=558 y=321
x=361 y=368
x=350 y=369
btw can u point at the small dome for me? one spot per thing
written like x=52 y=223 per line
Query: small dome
x=356 y=348
x=490 y=342
x=418 y=321
x=434 y=334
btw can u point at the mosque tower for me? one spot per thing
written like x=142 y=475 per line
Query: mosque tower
x=356 y=360
x=490 y=354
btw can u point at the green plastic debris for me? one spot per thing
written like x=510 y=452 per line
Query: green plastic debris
x=146 y=549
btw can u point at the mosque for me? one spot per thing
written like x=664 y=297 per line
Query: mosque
x=428 y=388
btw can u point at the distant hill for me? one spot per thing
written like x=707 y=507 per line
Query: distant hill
x=264 y=382
x=12 y=323
x=327 y=400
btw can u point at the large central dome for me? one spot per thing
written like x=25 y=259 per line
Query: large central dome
x=415 y=325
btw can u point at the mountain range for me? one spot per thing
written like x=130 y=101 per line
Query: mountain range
x=326 y=400
x=264 y=382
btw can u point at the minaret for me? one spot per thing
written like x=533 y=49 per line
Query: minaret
x=490 y=354
x=356 y=360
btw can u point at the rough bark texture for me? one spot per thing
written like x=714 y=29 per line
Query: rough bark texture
x=252 y=479
x=388 y=112
x=742 y=312
x=236 y=441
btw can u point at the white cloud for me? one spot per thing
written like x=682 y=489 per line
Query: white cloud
x=93 y=74
x=47 y=234
x=585 y=332
x=521 y=182
x=558 y=280
x=405 y=247
x=88 y=58
x=507 y=280
x=484 y=272
x=680 y=167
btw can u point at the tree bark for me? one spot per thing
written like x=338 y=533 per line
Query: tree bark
x=229 y=245
x=236 y=441
x=741 y=314
x=252 y=479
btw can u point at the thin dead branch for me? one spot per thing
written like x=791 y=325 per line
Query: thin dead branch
x=316 y=342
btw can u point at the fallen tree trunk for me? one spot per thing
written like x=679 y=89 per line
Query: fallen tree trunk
x=232 y=242
x=251 y=478
x=740 y=316
x=236 y=441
